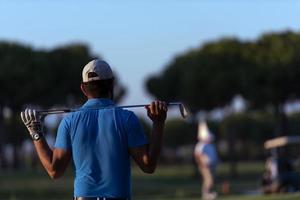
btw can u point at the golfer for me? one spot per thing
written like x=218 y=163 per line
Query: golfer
x=100 y=141
x=207 y=159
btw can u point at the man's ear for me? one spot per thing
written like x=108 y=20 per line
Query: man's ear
x=83 y=90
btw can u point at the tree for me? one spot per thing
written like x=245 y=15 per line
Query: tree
x=41 y=77
x=179 y=132
x=204 y=78
x=273 y=78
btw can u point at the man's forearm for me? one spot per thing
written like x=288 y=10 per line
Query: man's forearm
x=45 y=154
x=155 y=143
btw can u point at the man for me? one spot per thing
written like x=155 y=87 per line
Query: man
x=100 y=141
x=207 y=159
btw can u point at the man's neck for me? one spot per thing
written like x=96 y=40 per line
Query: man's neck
x=102 y=97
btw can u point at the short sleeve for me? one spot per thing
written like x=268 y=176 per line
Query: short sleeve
x=135 y=133
x=63 y=138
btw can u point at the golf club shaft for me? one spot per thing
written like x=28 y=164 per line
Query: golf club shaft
x=62 y=111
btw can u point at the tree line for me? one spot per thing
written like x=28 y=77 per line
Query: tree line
x=265 y=72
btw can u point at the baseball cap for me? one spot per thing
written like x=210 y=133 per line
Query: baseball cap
x=96 y=70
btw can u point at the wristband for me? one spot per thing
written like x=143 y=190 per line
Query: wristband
x=36 y=136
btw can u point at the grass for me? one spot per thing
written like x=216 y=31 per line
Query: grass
x=169 y=182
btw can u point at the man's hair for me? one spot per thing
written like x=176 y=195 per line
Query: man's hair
x=99 y=88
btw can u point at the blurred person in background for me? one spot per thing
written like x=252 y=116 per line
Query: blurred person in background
x=100 y=141
x=206 y=157
x=280 y=175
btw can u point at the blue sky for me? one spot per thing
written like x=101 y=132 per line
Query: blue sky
x=139 y=38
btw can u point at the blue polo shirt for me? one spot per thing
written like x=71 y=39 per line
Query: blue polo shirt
x=99 y=140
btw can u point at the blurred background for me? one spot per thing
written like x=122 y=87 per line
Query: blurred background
x=234 y=64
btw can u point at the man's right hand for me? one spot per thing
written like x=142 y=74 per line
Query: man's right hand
x=32 y=120
x=157 y=111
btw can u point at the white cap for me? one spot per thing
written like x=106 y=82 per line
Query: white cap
x=203 y=132
x=96 y=70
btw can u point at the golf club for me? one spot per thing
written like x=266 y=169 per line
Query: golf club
x=182 y=109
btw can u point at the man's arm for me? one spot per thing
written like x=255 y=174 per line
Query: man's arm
x=147 y=156
x=55 y=162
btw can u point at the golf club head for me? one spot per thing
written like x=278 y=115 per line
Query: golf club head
x=183 y=111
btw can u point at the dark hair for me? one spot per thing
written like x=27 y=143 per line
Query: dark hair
x=99 y=88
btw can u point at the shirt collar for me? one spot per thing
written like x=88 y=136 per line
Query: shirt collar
x=98 y=102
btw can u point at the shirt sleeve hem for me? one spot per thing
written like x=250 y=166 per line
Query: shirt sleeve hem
x=63 y=148
x=139 y=144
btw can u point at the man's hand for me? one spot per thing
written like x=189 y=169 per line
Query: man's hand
x=157 y=111
x=32 y=121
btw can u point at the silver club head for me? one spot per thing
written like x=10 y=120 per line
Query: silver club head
x=183 y=111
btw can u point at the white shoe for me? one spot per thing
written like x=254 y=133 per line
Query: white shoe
x=209 y=196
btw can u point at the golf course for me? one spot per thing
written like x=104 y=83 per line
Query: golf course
x=150 y=100
x=169 y=182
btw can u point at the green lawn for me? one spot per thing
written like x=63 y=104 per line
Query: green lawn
x=169 y=182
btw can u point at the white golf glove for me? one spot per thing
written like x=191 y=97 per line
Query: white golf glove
x=32 y=121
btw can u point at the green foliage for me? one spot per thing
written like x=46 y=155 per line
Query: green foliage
x=245 y=134
x=40 y=77
x=178 y=132
x=294 y=124
x=248 y=126
x=15 y=131
x=203 y=78
x=272 y=78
